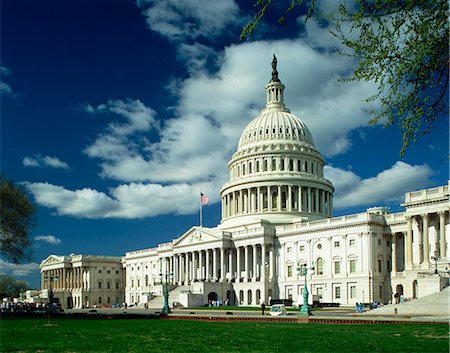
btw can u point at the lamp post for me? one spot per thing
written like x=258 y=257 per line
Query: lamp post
x=435 y=258
x=50 y=279
x=305 y=309
x=166 y=309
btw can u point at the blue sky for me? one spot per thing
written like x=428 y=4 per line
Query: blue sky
x=115 y=114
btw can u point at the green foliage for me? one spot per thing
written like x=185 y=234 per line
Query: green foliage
x=130 y=335
x=17 y=219
x=402 y=46
x=10 y=287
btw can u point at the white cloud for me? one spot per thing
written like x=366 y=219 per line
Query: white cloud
x=44 y=161
x=18 y=270
x=5 y=89
x=135 y=200
x=48 y=239
x=387 y=186
x=179 y=20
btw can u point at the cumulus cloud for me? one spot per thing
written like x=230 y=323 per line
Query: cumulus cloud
x=389 y=185
x=18 y=270
x=179 y=20
x=48 y=239
x=44 y=161
x=5 y=89
x=135 y=200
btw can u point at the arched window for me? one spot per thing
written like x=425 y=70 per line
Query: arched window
x=282 y=164
x=250 y=168
x=265 y=165
x=319 y=266
x=243 y=169
x=291 y=165
x=146 y=280
x=274 y=164
x=249 y=297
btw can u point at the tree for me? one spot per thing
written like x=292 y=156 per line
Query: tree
x=17 y=219
x=402 y=46
x=10 y=287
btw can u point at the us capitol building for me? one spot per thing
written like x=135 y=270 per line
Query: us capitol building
x=276 y=217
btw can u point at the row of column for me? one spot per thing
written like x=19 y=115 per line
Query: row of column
x=275 y=164
x=241 y=264
x=63 y=278
x=423 y=244
x=277 y=198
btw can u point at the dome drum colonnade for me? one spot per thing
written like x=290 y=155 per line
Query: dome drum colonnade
x=276 y=171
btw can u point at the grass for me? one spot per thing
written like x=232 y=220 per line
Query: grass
x=141 y=335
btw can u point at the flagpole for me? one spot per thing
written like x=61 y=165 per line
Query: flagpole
x=201 y=210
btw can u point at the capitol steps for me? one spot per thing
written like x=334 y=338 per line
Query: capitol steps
x=436 y=304
x=158 y=301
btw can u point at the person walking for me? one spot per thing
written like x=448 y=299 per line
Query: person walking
x=263 y=307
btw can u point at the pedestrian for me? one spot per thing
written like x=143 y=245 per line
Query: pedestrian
x=263 y=307
x=357 y=307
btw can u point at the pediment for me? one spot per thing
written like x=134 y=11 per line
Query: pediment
x=197 y=235
x=52 y=259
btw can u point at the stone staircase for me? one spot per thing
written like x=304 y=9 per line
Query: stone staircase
x=436 y=304
x=158 y=301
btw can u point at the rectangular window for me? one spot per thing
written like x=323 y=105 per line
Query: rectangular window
x=337 y=292
x=289 y=271
x=289 y=250
x=337 y=267
x=138 y=283
x=352 y=266
x=380 y=269
x=99 y=300
x=117 y=272
x=108 y=285
x=117 y=285
x=352 y=242
x=379 y=241
x=302 y=248
x=99 y=271
x=109 y=300
x=353 y=292
x=381 y=291
x=337 y=244
x=132 y=283
x=99 y=285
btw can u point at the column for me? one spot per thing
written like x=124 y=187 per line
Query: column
x=202 y=273
x=186 y=268
x=222 y=264
x=271 y=263
x=246 y=201
x=279 y=198
x=269 y=199
x=246 y=263
x=240 y=208
x=195 y=265
x=426 y=242
x=238 y=264
x=322 y=203
x=289 y=198
x=259 y=198
x=442 y=250
x=394 y=253
x=300 y=199
x=263 y=263
x=214 y=264
x=255 y=262
x=230 y=262
x=308 y=200
x=409 y=235
x=207 y=265
x=316 y=196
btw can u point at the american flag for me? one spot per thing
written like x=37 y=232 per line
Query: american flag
x=203 y=199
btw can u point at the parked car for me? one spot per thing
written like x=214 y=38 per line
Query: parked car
x=277 y=310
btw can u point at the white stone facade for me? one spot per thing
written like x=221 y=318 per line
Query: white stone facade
x=277 y=215
x=83 y=280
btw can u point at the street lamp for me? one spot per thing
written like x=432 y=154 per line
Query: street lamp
x=305 y=309
x=50 y=279
x=166 y=309
x=435 y=258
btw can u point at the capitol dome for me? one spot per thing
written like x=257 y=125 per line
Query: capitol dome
x=276 y=173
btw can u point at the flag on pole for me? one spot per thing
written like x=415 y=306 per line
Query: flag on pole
x=203 y=199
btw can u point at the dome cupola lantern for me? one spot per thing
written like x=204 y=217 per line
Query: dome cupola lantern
x=276 y=173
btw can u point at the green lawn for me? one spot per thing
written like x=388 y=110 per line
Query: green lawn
x=130 y=335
